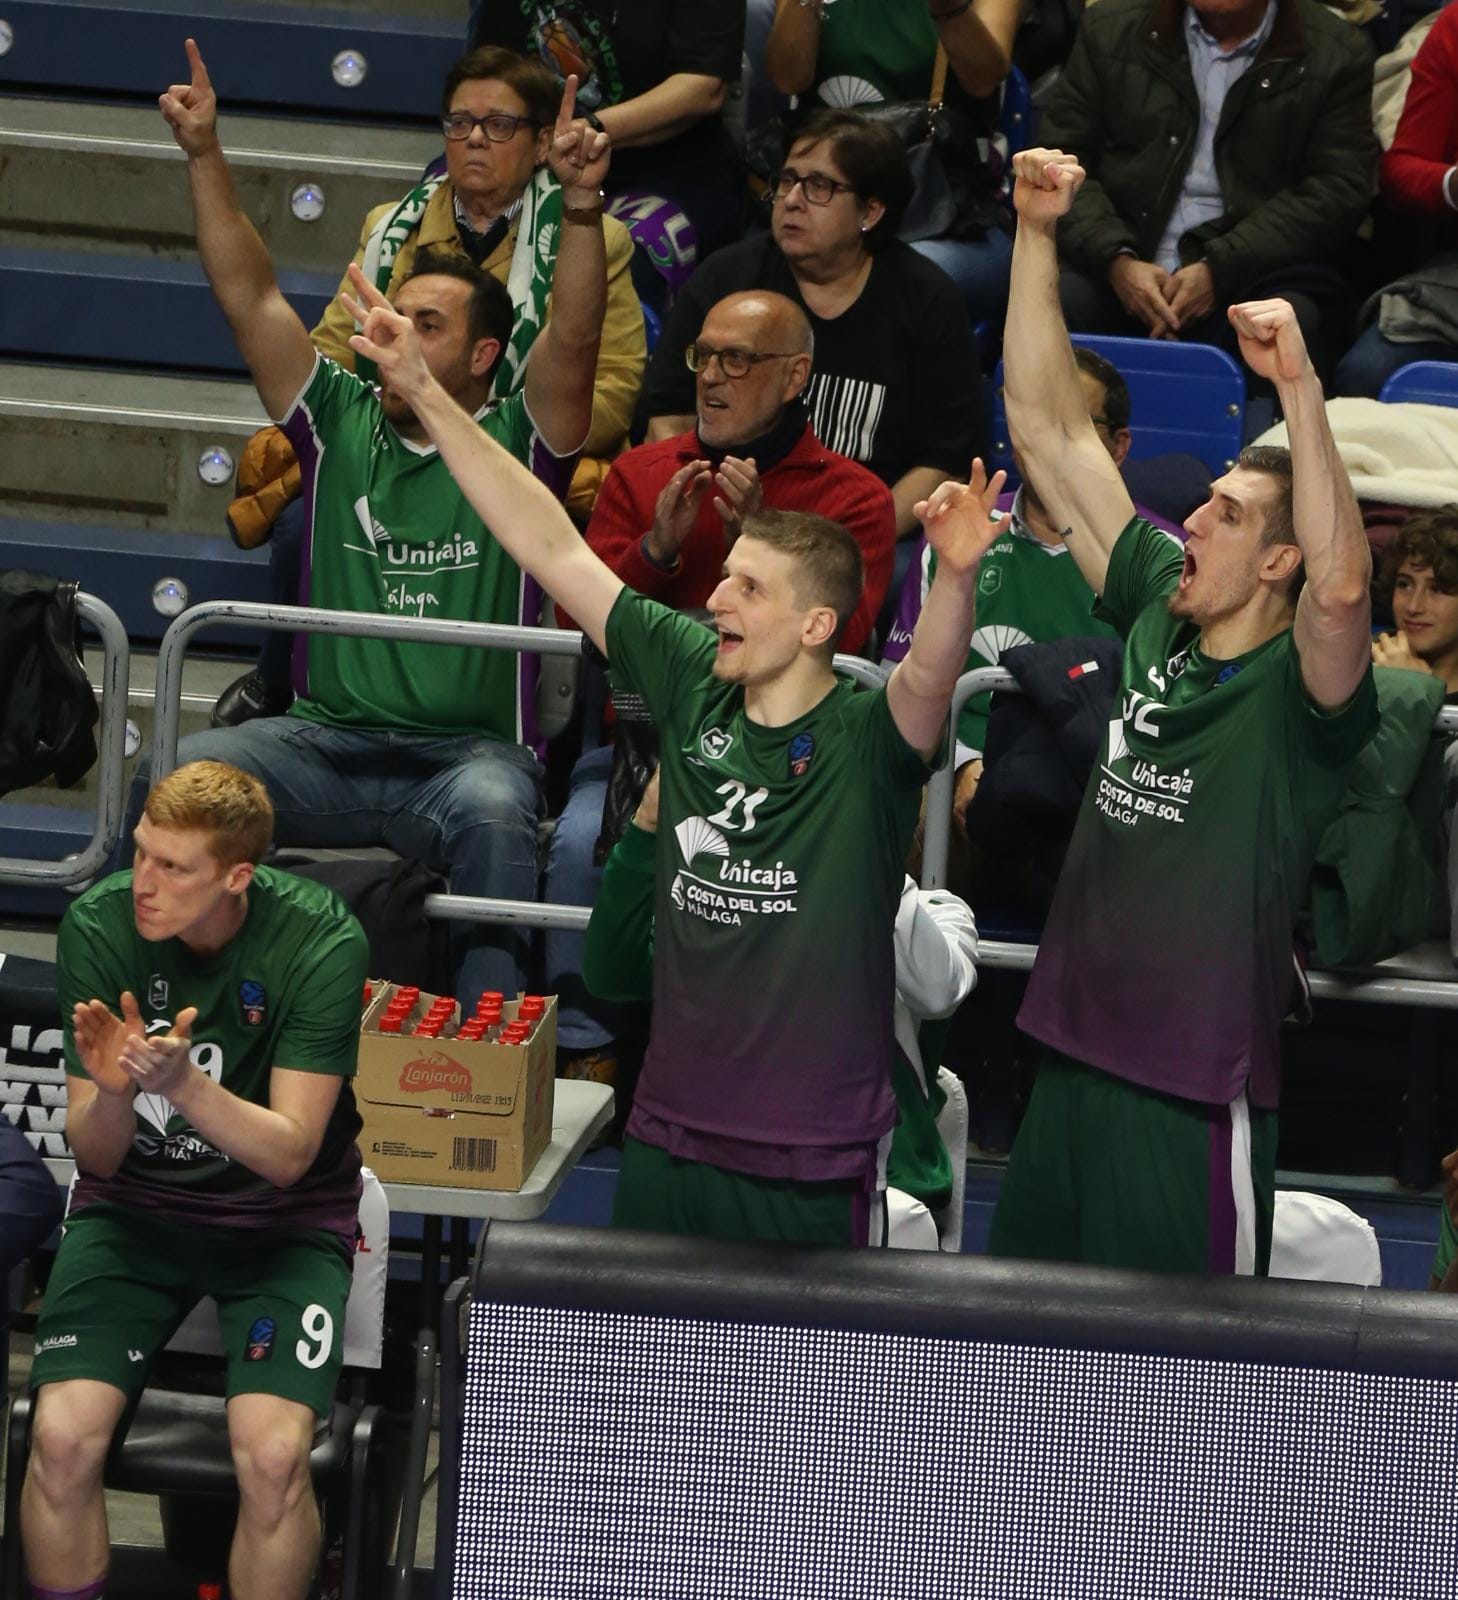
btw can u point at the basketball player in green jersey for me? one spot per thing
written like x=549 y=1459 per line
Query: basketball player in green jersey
x=1166 y=963
x=788 y=800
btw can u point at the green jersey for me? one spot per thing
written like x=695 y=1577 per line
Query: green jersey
x=780 y=858
x=1027 y=593
x=390 y=531
x=1167 y=956
x=285 y=991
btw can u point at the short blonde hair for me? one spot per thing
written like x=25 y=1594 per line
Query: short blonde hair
x=229 y=805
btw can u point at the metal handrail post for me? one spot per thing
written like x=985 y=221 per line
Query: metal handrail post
x=110 y=764
x=314 y=619
x=361 y=625
x=371 y=625
x=937 y=829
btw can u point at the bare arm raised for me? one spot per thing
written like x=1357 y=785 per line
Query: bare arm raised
x=523 y=515
x=559 y=382
x=960 y=528
x=1334 y=614
x=1052 y=432
x=272 y=340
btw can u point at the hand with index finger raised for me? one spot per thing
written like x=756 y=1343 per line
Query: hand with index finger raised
x=191 y=109
x=579 y=154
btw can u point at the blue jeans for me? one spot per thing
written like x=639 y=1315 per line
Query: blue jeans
x=978 y=267
x=1374 y=358
x=465 y=805
x=572 y=880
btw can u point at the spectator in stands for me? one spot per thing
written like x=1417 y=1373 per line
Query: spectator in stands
x=787 y=804
x=1166 y=963
x=854 y=53
x=936 y=969
x=498 y=205
x=1419 y=575
x=1028 y=590
x=891 y=387
x=30 y=1203
x=211 y=1018
x=1420 y=178
x=663 y=523
x=656 y=75
x=421 y=747
x=1175 y=225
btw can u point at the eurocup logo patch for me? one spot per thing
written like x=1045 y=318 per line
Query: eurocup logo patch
x=252 y=1002
x=802 y=748
x=259 y=1344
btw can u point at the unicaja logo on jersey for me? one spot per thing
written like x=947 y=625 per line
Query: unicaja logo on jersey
x=714 y=742
x=698 y=836
x=435 y=1071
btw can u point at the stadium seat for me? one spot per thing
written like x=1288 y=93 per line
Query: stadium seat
x=1016 y=118
x=177 y=1446
x=1017 y=114
x=1320 y=1239
x=1185 y=399
x=909 y=1225
x=1433 y=383
x=652 y=326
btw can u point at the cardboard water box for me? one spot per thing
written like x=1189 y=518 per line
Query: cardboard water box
x=455 y=1113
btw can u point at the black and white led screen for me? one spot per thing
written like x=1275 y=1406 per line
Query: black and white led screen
x=661 y=1458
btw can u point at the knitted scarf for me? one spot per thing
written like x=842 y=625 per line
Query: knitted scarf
x=529 y=282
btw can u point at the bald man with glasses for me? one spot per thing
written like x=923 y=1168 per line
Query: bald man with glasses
x=664 y=521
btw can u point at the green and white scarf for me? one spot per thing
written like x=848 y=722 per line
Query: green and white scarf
x=529 y=282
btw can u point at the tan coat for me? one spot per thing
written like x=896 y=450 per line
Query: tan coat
x=620 y=359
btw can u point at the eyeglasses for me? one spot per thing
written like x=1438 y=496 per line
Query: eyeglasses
x=498 y=126
x=734 y=363
x=815 y=186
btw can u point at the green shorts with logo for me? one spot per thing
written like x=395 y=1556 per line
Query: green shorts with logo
x=125 y=1279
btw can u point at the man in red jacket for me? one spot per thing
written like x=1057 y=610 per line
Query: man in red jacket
x=665 y=517
x=667 y=512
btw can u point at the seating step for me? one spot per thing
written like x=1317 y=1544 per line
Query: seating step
x=259 y=54
x=97 y=306
x=122 y=566
x=118 y=449
x=103 y=177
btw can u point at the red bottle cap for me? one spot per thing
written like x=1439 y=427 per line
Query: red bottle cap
x=389 y=1024
x=369 y=991
x=210 y=1591
x=492 y=997
x=532 y=1006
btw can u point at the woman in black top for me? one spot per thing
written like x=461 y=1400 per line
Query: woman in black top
x=894 y=383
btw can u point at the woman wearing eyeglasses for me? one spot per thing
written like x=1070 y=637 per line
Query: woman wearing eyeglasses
x=497 y=204
x=895 y=381
x=494 y=204
x=860 y=54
